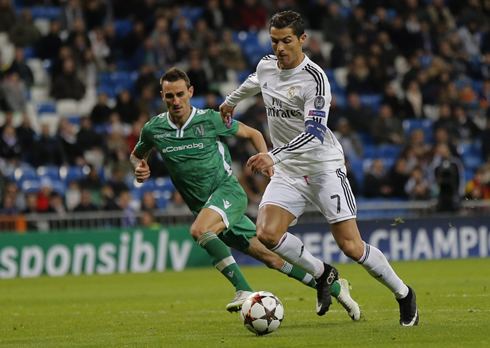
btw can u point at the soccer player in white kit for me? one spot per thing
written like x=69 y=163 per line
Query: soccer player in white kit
x=308 y=166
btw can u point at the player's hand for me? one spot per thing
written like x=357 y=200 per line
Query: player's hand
x=226 y=112
x=259 y=162
x=268 y=172
x=142 y=172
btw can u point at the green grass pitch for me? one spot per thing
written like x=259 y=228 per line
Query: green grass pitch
x=187 y=309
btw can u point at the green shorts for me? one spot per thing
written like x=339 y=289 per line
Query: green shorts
x=230 y=201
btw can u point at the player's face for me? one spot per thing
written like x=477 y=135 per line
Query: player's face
x=287 y=47
x=177 y=98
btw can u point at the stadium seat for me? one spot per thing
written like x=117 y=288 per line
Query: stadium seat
x=123 y=27
x=66 y=107
x=193 y=13
x=29 y=52
x=366 y=138
x=52 y=172
x=340 y=99
x=59 y=187
x=242 y=75
x=472 y=162
x=371 y=152
x=372 y=100
x=163 y=184
x=410 y=125
x=198 y=102
x=24 y=174
x=46 y=107
x=31 y=186
x=244 y=38
x=389 y=151
x=72 y=173
x=48 y=12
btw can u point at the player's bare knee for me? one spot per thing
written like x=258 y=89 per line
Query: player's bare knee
x=197 y=231
x=267 y=237
x=351 y=249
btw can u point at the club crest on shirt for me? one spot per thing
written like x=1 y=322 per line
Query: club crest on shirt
x=290 y=93
x=319 y=102
x=198 y=130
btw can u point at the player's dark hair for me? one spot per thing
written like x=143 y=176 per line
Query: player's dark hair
x=288 y=19
x=175 y=74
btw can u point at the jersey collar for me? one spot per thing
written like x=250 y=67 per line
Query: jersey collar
x=180 y=131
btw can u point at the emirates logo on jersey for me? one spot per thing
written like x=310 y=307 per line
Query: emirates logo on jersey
x=290 y=93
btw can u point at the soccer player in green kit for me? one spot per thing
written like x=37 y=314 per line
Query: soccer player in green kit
x=190 y=143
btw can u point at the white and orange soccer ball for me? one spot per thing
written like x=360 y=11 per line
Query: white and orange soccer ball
x=262 y=313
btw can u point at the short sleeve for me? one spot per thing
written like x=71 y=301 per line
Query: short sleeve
x=145 y=143
x=224 y=129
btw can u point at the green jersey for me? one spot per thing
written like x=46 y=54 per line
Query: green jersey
x=195 y=155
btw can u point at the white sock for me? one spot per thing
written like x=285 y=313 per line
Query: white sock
x=292 y=249
x=378 y=267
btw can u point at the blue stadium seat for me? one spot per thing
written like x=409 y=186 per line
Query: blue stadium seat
x=46 y=107
x=246 y=38
x=366 y=138
x=242 y=75
x=162 y=202
x=29 y=52
x=372 y=100
x=410 y=125
x=23 y=174
x=31 y=186
x=123 y=27
x=193 y=13
x=59 y=187
x=469 y=175
x=472 y=162
x=45 y=12
x=52 y=172
x=340 y=99
x=72 y=173
x=163 y=184
x=198 y=102
x=107 y=89
x=371 y=151
x=389 y=151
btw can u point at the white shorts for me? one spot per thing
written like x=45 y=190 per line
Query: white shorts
x=329 y=192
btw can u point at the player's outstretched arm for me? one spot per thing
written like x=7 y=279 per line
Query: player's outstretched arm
x=259 y=144
x=226 y=112
x=142 y=170
x=248 y=88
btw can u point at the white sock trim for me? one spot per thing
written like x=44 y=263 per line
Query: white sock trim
x=225 y=263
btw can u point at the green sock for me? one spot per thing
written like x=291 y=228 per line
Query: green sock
x=223 y=261
x=298 y=274
x=306 y=278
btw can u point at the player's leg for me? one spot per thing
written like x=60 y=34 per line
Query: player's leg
x=282 y=203
x=337 y=203
x=375 y=263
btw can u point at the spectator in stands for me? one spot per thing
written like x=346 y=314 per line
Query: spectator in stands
x=485 y=139
x=177 y=205
x=197 y=75
x=13 y=89
x=94 y=12
x=67 y=85
x=73 y=195
x=342 y=52
x=314 y=51
x=146 y=102
x=43 y=194
x=7 y=16
x=203 y=35
x=441 y=136
x=101 y=111
x=126 y=107
x=334 y=24
x=134 y=40
x=20 y=66
x=88 y=139
x=253 y=185
x=117 y=181
x=133 y=137
x=449 y=178
x=376 y=181
x=478 y=187
x=414 y=68
x=10 y=147
x=399 y=175
x=148 y=202
x=213 y=16
x=26 y=136
x=148 y=220
x=124 y=202
x=67 y=138
x=231 y=20
x=421 y=149
x=8 y=206
x=217 y=66
x=86 y=204
x=441 y=17
x=466 y=128
x=359 y=78
x=446 y=121
x=49 y=45
x=46 y=149
x=162 y=54
x=253 y=15
x=108 y=199
x=24 y=32
x=417 y=186
x=102 y=51
x=348 y=138
x=31 y=204
x=387 y=129
x=450 y=95
x=470 y=36
x=359 y=116
x=146 y=77
x=18 y=196
x=231 y=52
x=92 y=181
x=56 y=204
x=70 y=12
x=211 y=101
x=401 y=108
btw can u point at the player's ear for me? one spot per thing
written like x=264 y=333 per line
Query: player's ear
x=302 y=39
x=161 y=94
x=191 y=90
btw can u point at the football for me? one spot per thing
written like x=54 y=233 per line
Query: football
x=262 y=313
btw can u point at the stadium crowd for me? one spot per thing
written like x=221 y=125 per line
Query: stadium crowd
x=410 y=81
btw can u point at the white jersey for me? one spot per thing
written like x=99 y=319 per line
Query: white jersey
x=297 y=102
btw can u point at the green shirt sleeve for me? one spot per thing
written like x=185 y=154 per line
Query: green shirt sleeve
x=223 y=129
x=145 y=143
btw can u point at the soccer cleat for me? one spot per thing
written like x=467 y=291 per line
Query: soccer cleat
x=346 y=301
x=409 y=315
x=236 y=304
x=324 y=289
